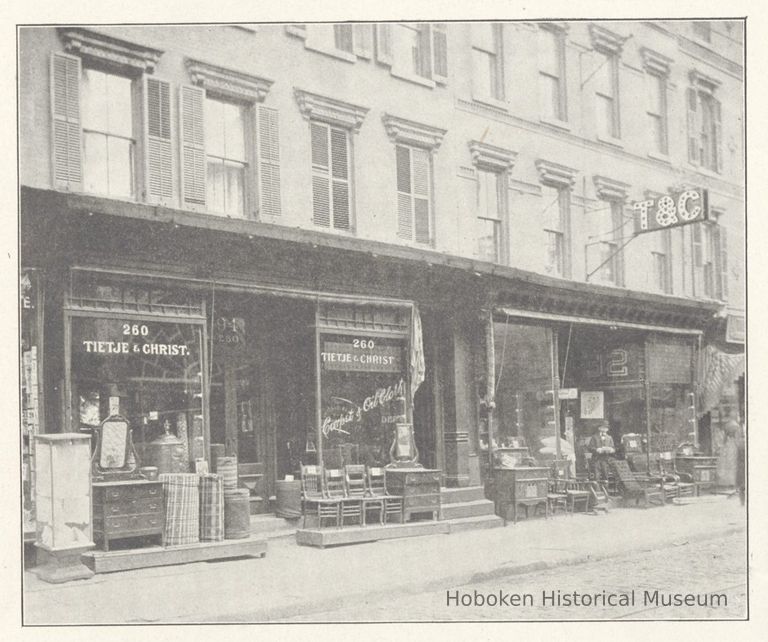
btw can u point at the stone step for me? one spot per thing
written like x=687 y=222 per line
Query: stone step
x=474 y=508
x=473 y=523
x=466 y=494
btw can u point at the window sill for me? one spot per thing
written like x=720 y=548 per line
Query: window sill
x=333 y=53
x=610 y=140
x=425 y=82
x=503 y=105
x=664 y=158
x=333 y=230
x=705 y=171
x=560 y=124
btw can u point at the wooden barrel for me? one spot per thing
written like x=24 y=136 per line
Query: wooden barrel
x=237 y=516
x=227 y=468
x=288 y=499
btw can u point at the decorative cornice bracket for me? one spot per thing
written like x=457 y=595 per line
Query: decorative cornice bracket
x=497 y=158
x=655 y=62
x=605 y=40
x=106 y=49
x=401 y=130
x=330 y=110
x=555 y=175
x=235 y=84
x=608 y=189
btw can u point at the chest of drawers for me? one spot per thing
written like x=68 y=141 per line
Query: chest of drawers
x=419 y=488
x=520 y=487
x=133 y=508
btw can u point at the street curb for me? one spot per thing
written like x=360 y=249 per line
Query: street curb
x=277 y=613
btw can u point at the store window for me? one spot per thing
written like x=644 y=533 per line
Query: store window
x=108 y=136
x=225 y=157
x=487 y=61
x=552 y=92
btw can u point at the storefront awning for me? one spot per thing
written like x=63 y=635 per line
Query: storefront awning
x=564 y=318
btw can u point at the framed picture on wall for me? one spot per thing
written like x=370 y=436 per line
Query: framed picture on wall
x=592 y=405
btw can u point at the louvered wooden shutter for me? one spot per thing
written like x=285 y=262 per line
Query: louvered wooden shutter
x=439 y=53
x=404 y=199
x=157 y=141
x=425 y=51
x=340 y=178
x=420 y=160
x=363 y=40
x=321 y=198
x=698 y=276
x=193 y=169
x=718 y=135
x=722 y=262
x=269 y=162
x=692 y=122
x=67 y=128
x=384 y=44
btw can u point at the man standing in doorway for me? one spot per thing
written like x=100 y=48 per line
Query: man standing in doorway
x=602 y=448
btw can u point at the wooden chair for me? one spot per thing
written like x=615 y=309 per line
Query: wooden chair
x=335 y=488
x=636 y=487
x=314 y=500
x=393 y=504
x=578 y=494
x=356 y=480
x=557 y=497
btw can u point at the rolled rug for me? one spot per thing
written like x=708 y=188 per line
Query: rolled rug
x=182 y=508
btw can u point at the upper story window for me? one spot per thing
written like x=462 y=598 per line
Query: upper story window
x=710 y=259
x=656 y=74
x=230 y=149
x=332 y=124
x=492 y=167
x=661 y=260
x=343 y=38
x=108 y=134
x=346 y=41
x=414 y=51
x=610 y=227
x=487 y=61
x=557 y=181
x=226 y=160
x=552 y=89
x=414 y=147
x=705 y=144
x=605 y=78
x=96 y=92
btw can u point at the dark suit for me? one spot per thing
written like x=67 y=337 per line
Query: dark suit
x=601 y=440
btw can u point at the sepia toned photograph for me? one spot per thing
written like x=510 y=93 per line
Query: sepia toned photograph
x=331 y=322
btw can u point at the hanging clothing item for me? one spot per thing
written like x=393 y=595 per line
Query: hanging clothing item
x=417 y=367
x=717 y=369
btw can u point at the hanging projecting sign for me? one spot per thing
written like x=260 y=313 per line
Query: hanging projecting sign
x=672 y=210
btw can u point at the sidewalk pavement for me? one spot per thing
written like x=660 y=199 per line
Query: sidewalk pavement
x=295 y=579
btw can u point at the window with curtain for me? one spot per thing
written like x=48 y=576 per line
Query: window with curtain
x=607 y=95
x=487 y=61
x=330 y=176
x=414 y=194
x=551 y=51
x=490 y=212
x=657 y=111
x=555 y=213
x=225 y=157
x=108 y=136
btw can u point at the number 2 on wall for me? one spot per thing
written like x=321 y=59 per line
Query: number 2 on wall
x=365 y=344
x=135 y=330
x=617 y=366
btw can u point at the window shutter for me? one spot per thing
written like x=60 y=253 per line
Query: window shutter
x=693 y=132
x=698 y=277
x=439 y=53
x=420 y=159
x=716 y=110
x=363 y=39
x=384 y=44
x=404 y=206
x=193 y=173
x=321 y=202
x=425 y=51
x=67 y=132
x=157 y=142
x=340 y=178
x=269 y=162
x=722 y=259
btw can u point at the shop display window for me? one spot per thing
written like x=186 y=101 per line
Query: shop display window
x=149 y=371
x=364 y=391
